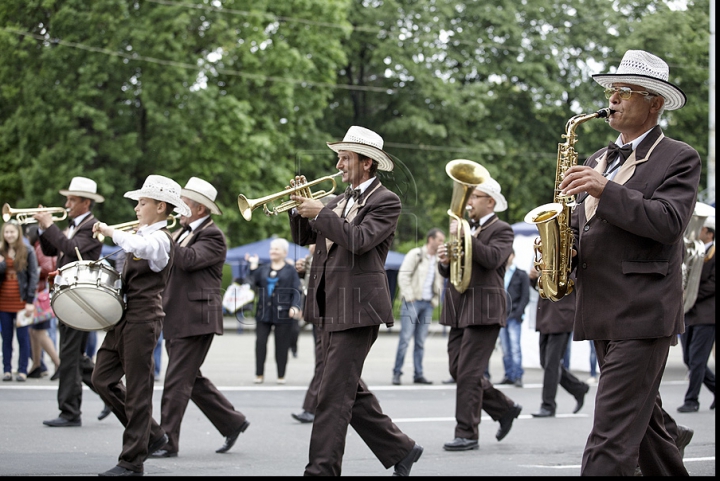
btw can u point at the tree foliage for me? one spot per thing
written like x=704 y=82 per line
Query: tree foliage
x=245 y=94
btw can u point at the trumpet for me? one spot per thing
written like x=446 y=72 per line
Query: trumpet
x=24 y=216
x=246 y=205
x=132 y=225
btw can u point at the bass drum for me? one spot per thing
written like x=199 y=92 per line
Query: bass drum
x=87 y=295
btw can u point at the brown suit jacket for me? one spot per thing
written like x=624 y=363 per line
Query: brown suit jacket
x=703 y=311
x=193 y=299
x=53 y=242
x=630 y=251
x=556 y=317
x=485 y=301
x=350 y=276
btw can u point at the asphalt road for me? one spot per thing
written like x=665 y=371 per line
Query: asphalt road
x=276 y=445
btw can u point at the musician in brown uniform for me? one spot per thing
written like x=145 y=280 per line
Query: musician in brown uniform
x=75 y=367
x=629 y=242
x=348 y=299
x=127 y=349
x=699 y=336
x=476 y=316
x=193 y=316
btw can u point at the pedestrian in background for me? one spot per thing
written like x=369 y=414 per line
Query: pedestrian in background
x=420 y=290
x=18 y=286
x=517 y=285
x=278 y=303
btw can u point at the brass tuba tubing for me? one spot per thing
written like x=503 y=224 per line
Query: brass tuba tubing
x=24 y=216
x=126 y=226
x=466 y=175
x=246 y=205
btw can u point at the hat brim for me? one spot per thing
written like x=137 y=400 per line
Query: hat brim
x=674 y=97
x=384 y=161
x=79 y=193
x=180 y=206
x=501 y=204
x=201 y=199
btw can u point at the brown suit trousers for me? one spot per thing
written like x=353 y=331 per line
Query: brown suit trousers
x=344 y=399
x=629 y=428
x=185 y=382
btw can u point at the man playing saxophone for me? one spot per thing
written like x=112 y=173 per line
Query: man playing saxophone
x=629 y=247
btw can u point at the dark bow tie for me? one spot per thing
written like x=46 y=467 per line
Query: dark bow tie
x=614 y=150
x=185 y=229
x=350 y=192
x=474 y=223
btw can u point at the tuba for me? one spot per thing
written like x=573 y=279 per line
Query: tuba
x=466 y=175
x=553 y=249
x=694 y=254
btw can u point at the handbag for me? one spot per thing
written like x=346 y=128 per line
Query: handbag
x=43 y=309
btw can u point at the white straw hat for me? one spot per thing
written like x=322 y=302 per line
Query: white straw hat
x=202 y=192
x=710 y=222
x=366 y=142
x=83 y=187
x=638 y=67
x=162 y=189
x=492 y=188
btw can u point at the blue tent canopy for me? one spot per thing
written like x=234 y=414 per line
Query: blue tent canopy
x=525 y=228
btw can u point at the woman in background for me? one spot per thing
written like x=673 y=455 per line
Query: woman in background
x=18 y=283
x=278 y=303
x=39 y=338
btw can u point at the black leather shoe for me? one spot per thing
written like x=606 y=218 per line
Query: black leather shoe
x=449 y=381
x=304 y=417
x=422 y=380
x=685 y=435
x=507 y=420
x=56 y=375
x=163 y=453
x=120 y=471
x=156 y=445
x=506 y=381
x=688 y=408
x=396 y=379
x=104 y=413
x=581 y=399
x=712 y=406
x=35 y=373
x=403 y=467
x=61 y=422
x=543 y=413
x=230 y=440
x=461 y=444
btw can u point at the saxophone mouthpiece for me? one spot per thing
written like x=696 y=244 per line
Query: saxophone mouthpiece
x=605 y=114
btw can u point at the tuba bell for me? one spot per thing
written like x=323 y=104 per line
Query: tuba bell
x=466 y=175
x=694 y=254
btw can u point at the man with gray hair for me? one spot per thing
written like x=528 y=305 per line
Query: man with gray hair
x=636 y=198
x=193 y=317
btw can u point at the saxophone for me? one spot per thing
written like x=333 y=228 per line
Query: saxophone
x=553 y=249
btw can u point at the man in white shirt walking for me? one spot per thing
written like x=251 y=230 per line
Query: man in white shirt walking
x=420 y=288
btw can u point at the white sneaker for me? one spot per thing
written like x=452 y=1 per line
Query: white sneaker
x=591 y=380
x=281 y=380
x=258 y=379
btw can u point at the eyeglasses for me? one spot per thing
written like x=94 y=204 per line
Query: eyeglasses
x=624 y=92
